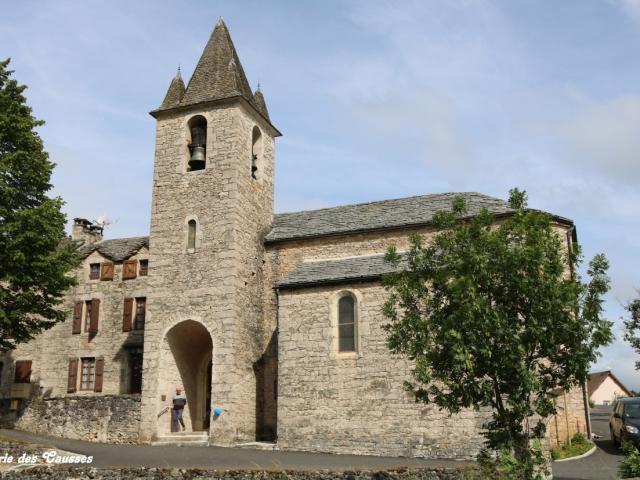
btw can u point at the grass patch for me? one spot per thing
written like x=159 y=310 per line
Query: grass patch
x=578 y=445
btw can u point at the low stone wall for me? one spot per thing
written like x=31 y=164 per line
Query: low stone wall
x=44 y=473
x=103 y=418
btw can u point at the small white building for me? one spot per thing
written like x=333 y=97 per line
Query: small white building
x=604 y=388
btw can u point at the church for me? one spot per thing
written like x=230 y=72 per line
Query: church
x=270 y=323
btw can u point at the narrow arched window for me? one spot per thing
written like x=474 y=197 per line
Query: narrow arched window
x=197 y=143
x=191 y=235
x=256 y=151
x=347 y=324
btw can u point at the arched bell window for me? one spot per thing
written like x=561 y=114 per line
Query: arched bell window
x=256 y=151
x=347 y=323
x=192 y=227
x=197 y=143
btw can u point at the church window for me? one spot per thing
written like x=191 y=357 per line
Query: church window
x=94 y=271
x=198 y=143
x=191 y=235
x=347 y=324
x=256 y=151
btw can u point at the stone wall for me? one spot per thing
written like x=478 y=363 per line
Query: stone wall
x=45 y=473
x=104 y=418
x=355 y=402
x=570 y=419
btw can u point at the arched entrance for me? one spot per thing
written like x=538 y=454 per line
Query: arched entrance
x=187 y=363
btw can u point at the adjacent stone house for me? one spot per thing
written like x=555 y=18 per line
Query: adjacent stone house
x=271 y=320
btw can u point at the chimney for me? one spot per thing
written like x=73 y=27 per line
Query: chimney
x=86 y=231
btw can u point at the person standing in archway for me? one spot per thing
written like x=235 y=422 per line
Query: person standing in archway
x=179 y=401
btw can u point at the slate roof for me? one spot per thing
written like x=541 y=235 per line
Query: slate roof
x=261 y=105
x=597 y=378
x=218 y=75
x=175 y=93
x=117 y=249
x=385 y=214
x=363 y=268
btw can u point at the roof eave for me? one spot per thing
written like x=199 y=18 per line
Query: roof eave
x=331 y=281
x=159 y=112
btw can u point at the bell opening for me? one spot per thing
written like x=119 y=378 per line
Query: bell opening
x=198 y=144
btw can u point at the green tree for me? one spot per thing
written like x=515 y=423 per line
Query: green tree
x=494 y=317
x=35 y=256
x=632 y=327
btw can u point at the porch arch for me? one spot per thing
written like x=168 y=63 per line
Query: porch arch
x=187 y=353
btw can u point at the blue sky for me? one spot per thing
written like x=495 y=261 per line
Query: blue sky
x=376 y=99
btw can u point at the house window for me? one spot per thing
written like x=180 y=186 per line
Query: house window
x=141 y=305
x=347 y=324
x=191 y=235
x=88 y=374
x=198 y=144
x=94 y=271
x=87 y=315
x=106 y=272
x=144 y=268
x=129 y=269
x=23 y=371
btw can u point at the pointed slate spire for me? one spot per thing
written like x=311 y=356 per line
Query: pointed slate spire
x=175 y=93
x=260 y=104
x=219 y=73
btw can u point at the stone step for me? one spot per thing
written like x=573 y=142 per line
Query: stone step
x=183 y=438
x=258 y=445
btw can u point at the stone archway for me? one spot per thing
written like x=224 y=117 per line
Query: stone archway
x=187 y=356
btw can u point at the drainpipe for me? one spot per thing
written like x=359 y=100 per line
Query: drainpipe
x=587 y=409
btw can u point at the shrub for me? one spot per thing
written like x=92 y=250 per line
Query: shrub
x=630 y=465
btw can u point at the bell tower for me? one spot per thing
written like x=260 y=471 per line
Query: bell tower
x=212 y=205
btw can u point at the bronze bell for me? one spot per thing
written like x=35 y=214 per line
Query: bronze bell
x=197 y=160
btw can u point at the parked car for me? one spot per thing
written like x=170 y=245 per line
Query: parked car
x=624 y=422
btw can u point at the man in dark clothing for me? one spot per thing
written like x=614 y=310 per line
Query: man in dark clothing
x=179 y=401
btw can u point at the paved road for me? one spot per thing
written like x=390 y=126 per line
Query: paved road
x=218 y=457
x=601 y=465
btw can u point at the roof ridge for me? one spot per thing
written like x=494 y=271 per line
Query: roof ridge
x=373 y=202
x=120 y=238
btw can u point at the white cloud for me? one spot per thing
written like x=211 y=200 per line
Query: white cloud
x=631 y=8
x=606 y=136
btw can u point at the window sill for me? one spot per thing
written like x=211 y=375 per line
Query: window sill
x=347 y=355
x=191 y=250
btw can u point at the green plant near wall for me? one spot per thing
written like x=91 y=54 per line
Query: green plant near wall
x=630 y=465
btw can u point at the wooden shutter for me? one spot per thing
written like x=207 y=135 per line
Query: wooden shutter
x=126 y=314
x=99 y=374
x=95 y=312
x=72 y=380
x=77 y=318
x=129 y=268
x=23 y=371
x=107 y=271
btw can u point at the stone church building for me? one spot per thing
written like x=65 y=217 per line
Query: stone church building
x=272 y=323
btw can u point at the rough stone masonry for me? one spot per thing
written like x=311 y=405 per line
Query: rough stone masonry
x=270 y=323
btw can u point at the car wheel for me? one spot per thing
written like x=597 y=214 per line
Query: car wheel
x=615 y=441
